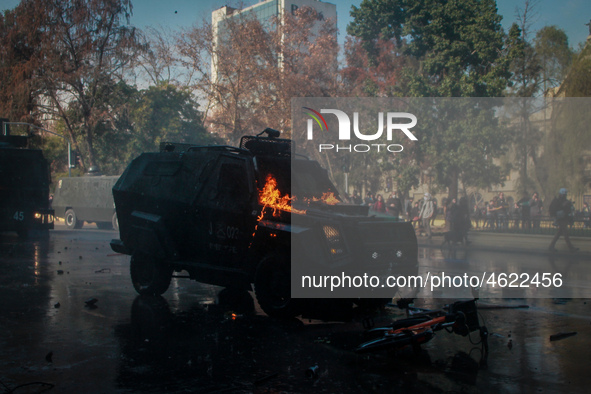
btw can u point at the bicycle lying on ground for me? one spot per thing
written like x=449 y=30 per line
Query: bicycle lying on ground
x=460 y=318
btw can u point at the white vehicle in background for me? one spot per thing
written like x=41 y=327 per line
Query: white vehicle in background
x=86 y=199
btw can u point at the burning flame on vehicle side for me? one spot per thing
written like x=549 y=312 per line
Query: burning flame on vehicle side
x=328 y=198
x=271 y=197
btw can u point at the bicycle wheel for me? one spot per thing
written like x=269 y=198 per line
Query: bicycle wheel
x=395 y=341
x=411 y=321
x=379 y=332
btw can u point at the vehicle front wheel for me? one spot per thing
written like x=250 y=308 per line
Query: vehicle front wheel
x=72 y=221
x=149 y=275
x=115 y=222
x=272 y=286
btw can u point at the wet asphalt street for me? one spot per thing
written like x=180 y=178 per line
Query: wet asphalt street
x=71 y=322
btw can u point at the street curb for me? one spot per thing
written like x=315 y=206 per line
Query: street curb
x=493 y=242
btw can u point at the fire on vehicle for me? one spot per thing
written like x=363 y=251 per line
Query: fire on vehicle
x=223 y=215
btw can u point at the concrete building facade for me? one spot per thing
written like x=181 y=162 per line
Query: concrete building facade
x=266 y=12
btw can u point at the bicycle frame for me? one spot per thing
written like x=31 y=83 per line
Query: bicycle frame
x=461 y=318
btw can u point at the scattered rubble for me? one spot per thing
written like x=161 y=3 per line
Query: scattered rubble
x=562 y=335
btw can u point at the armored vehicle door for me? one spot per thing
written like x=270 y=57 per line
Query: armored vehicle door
x=228 y=205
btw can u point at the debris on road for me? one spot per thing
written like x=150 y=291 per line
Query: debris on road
x=312 y=372
x=91 y=302
x=562 y=335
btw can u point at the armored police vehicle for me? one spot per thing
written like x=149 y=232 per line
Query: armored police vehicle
x=86 y=199
x=24 y=185
x=225 y=215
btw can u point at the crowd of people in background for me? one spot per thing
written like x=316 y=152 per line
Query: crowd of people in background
x=496 y=214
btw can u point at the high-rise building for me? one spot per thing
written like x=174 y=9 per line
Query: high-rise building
x=265 y=12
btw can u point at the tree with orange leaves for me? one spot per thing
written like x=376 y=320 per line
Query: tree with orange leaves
x=259 y=67
x=21 y=35
x=63 y=60
x=374 y=74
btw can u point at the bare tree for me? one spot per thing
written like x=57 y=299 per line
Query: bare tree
x=86 y=49
x=158 y=61
x=257 y=68
x=307 y=49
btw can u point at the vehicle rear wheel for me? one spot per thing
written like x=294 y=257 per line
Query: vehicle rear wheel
x=149 y=275
x=272 y=286
x=72 y=221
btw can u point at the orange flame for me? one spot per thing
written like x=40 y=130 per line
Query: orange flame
x=327 y=198
x=271 y=197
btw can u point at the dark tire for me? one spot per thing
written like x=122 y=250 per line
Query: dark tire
x=72 y=221
x=115 y=222
x=104 y=225
x=149 y=275
x=272 y=286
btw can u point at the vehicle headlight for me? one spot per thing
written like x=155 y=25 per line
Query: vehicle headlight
x=334 y=239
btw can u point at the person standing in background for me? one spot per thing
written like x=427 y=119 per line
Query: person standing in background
x=563 y=212
x=426 y=214
x=535 y=210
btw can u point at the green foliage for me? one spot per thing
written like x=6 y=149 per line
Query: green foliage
x=376 y=19
x=525 y=65
x=525 y=82
x=569 y=143
x=143 y=119
x=459 y=43
x=455 y=49
x=565 y=158
x=463 y=138
x=113 y=137
x=138 y=121
x=55 y=150
x=551 y=45
x=167 y=113
x=578 y=81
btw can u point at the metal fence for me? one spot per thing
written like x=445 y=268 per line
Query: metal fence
x=542 y=225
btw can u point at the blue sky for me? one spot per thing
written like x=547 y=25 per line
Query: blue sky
x=569 y=15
